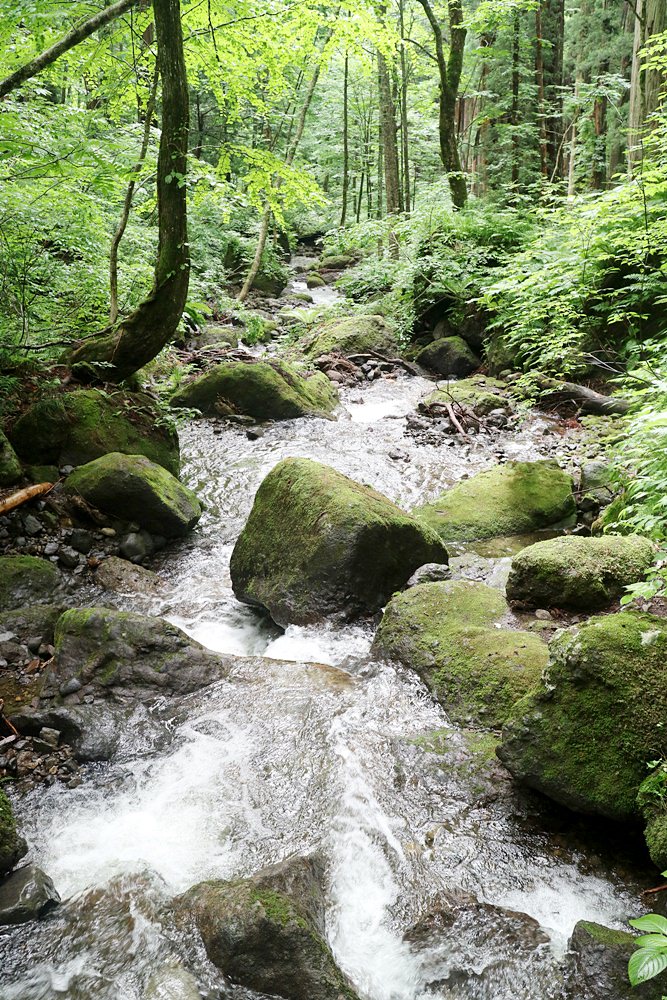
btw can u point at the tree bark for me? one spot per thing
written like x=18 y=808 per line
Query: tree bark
x=539 y=78
x=346 y=139
x=137 y=339
x=405 y=141
x=388 y=132
x=645 y=84
x=72 y=38
x=516 y=82
x=449 y=71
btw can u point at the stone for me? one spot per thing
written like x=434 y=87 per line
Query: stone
x=265 y=390
x=132 y=488
x=448 y=633
x=597 y=482
x=480 y=394
x=172 y=982
x=26 y=894
x=12 y=845
x=266 y=933
x=124 y=577
x=511 y=499
x=26 y=580
x=352 y=335
x=584 y=735
x=81 y=540
x=449 y=356
x=599 y=966
x=67 y=557
x=317 y=543
x=218 y=336
x=335 y=262
x=577 y=572
x=430 y=573
x=32 y=526
x=10 y=467
x=315 y=281
x=73 y=428
x=135 y=546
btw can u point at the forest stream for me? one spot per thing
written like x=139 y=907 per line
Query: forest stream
x=312 y=746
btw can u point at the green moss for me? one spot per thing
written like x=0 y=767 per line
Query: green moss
x=265 y=390
x=76 y=427
x=132 y=488
x=335 y=262
x=318 y=543
x=26 y=580
x=584 y=736
x=10 y=842
x=352 y=335
x=278 y=908
x=578 y=572
x=480 y=394
x=10 y=467
x=448 y=356
x=606 y=935
x=444 y=632
x=510 y=499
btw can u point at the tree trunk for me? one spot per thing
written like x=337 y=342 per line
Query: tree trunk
x=138 y=339
x=449 y=71
x=599 y=169
x=388 y=131
x=346 y=139
x=516 y=82
x=645 y=84
x=539 y=79
x=405 y=140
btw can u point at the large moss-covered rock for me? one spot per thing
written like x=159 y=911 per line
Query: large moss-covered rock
x=599 y=966
x=10 y=467
x=76 y=427
x=511 y=499
x=576 y=572
x=266 y=933
x=352 y=335
x=317 y=543
x=12 y=846
x=585 y=735
x=479 y=394
x=262 y=389
x=26 y=580
x=448 y=633
x=131 y=488
x=449 y=356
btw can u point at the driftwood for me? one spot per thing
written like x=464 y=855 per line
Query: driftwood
x=407 y=366
x=22 y=496
x=587 y=400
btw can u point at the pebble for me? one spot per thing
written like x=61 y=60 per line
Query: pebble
x=68 y=557
x=32 y=526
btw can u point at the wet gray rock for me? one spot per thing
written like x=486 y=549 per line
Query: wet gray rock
x=136 y=546
x=429 y=573
x=125 y=577
x=599 y=966
x=26 y=894
x=172 y=982
x=267 y=932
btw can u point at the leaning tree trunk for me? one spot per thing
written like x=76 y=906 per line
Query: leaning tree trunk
x=136 y=340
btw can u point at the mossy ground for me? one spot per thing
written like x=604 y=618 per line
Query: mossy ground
x=584 y=736
x=9 y=838
x=509 y=499
x=446 y=632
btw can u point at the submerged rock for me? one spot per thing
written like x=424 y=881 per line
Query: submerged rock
x=12 y=846
x=352 y=335
x=449 y=356
x=76 y=427
x=447 y=633
x=26 y=580
x=172 y=982
x=10 y=467
x=26 y=894
x=599 y=968
x=578 y=572
x=131 y=488
x=584 y=736
x=261 y=389
x=266 y=933
x=317 y=543
x=511 y=499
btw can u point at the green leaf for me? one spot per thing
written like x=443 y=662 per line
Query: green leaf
x=645 y=964
x=652 y=922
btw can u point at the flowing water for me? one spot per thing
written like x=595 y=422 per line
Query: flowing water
x=308 y=745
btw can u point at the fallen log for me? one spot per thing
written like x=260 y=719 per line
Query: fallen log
x=555 y=392
x=22 y=496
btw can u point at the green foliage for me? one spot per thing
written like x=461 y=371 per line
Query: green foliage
x=650 y=958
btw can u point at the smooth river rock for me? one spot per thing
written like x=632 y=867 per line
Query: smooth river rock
x=26 y=894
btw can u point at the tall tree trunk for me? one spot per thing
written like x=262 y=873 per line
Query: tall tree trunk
x=516 y=82
x=346 y=139
x=539 y=79
x=645 y=84
x=449 y=72
x=599 y=169
x=405 y=140
x=571 y=172
x=137 y=339
x=392 y=184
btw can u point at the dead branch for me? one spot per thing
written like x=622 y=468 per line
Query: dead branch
x=22 y=496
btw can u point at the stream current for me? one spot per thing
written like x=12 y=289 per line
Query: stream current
x=308 y=745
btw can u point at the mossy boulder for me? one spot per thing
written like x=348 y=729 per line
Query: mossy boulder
x=317 y=543
x=599 y=965
x=10 y=467
x=352 y=335
x=584 y=736
x=76 y=427
x=652 y=803
x=511 y=499
x=264 y=390
x=574 y=572
x=335 y=262
x=131 y=488
x=218 y=336
x=266 y=933
x=12 y=846
x=26 y=580
x=315 y=281
x=448 y=633
x=479 y=394
x=448 y=356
